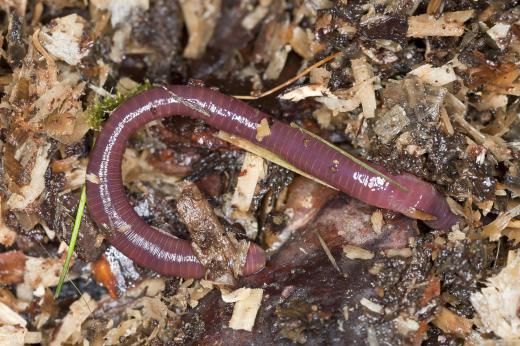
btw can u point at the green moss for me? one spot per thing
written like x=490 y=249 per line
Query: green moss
x=100 y=111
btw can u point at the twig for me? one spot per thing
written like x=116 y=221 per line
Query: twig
x=327 y=252
x=40 y=49
x=290 y=81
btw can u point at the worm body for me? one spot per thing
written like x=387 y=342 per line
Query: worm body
x=169 y=255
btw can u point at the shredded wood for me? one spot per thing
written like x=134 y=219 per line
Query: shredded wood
x=363 y=72
x=405 y=326
x=449 y=24
x=370 y=305
x=10 y=317
x=253 y=169
x=30 y=192
x=42 y=271
x=309 y=90
x=262 y=130
x=12 y=335
x=497 y=304
x=245 y=309
x=437 y=76
x=355 y=252
x=65 y=39
x=70 y=329
x=494 y=229
x=201 y=17
x=404 y=252
x=499 y=33
x=7 y=236
x=451 y=323
x=121 y=11
x=221 y=254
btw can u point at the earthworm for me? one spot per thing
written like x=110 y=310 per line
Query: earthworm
x=168 y=255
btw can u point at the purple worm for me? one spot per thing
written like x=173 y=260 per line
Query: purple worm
x=168 y=255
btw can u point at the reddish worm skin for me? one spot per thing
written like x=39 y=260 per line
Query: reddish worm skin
x=168 y=255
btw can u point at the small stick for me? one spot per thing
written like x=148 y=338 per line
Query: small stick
x=290 y=81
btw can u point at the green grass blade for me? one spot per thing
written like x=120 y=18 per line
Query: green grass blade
x=73 y=238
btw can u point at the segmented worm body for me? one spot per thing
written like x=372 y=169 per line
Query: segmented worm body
x=168 y=255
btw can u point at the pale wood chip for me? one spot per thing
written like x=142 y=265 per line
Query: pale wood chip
x=245 y=310
x=79 y=311
x=252 y=171
x=354 y=252
x=363 y=72
x=370 y=305
x=201 y=18
x=262 y=130
x=450 y=322
x=449 y=24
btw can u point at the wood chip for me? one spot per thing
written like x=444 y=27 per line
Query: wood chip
x=10 y=317
x=12 y=267
x=12 y=335
x=404 y=252
x=354 y=252
x=79 y=311
x=451 y=323
x=7 y=236
x=65 y=38
x=449 y=24
x=437 y=76
x=499 y=33
x=262 y=130
x=253 y=169
x=245 y=310
x=363 y=72
x=33 y=190
x=201 y=18
x=497 y=304
x=370 y=305
x=494 y=229
x=42 y=271
x=309 y=90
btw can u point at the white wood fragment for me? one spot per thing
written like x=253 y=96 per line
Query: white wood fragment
x=309 y=90
x=65 y=39
x=245 y=310
x=363 y=72
x=79 y=311
x=262 y=130
x=30 y=192
x=236 y=295
x=251 y=172
x=201 y=17
x=404 y=252
x=12 y=335
x=354 y=252
x=499 y=33
x=370 y=305
x=449 y=24
x=10 y=317
x=437 y=76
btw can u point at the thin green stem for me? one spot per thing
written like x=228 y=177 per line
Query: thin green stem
x=73 y=238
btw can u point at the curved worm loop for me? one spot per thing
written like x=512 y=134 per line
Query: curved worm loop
x=169 y=255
